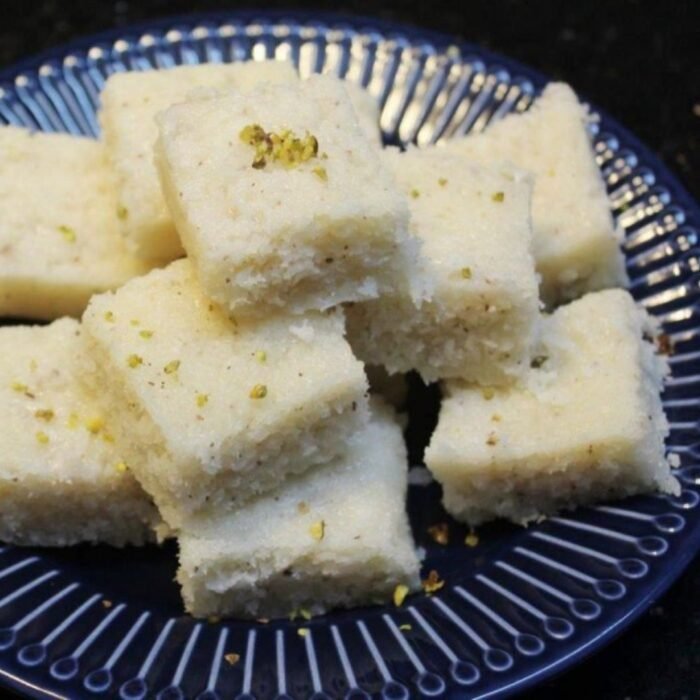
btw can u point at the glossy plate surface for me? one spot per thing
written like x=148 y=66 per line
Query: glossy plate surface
x=95 y=622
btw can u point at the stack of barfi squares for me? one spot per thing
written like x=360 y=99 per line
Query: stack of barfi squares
x=221 y=399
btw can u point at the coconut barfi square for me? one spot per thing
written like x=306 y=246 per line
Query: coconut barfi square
x=281 y=201
x=129 y=104
x=336 y=537
x=63 y=477
x=59 y=235
x=474 y=226
x=587 y=425
x=220 y=410
x=577 y=248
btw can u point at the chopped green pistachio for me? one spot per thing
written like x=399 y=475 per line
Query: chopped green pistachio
x=172 y=367
x=42 y=438
x=68 y=233
x=109 y=316
x=44 y=414
x=122 y=212
x=134 y=361
x=95 y=424
x=498 y=196
x=261 y=356
x=302 y=631
x=466 y=273
x=283 y=147
x=442 y=181
x=321 y=173
x=318 y=530
x=135 y=322
x=73 y=421
x=405 y=628
x=488 y=393
x=19 y=387
x=415 y=193
x=259 y=391
x=121 y=467
x=202 y=400
x=146 y=334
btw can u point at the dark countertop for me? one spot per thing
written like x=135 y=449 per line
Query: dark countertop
x=637 y=59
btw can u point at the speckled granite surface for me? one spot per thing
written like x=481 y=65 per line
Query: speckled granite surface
x=640 y=61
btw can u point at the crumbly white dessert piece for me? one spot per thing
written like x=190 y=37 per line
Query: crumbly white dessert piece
x=63 y=479
x=587 y=425
x=220 y=410
x=474 y=226
x=334 y=537
x=59 y=236
x=281 y=201
x=576 y=245
x=130 y=102
x=367 y=110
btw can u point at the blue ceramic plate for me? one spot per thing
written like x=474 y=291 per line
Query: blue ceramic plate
x=87 y=622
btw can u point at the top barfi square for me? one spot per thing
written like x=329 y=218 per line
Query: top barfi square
x=576 y=246
x=280 y=199
x=130 y=102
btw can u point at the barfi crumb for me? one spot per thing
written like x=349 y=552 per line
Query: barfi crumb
x=303 y=507
x=304 y=613
x=405 y=628
x=106 y=603
x=303 y=631
x=440 y=533
x=433 y=583
x=213 y=619
x=492 y=439
x=664 y=344
x=232 y=658
x=400 y=593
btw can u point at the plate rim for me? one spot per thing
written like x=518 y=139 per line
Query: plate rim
x=440 y=40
